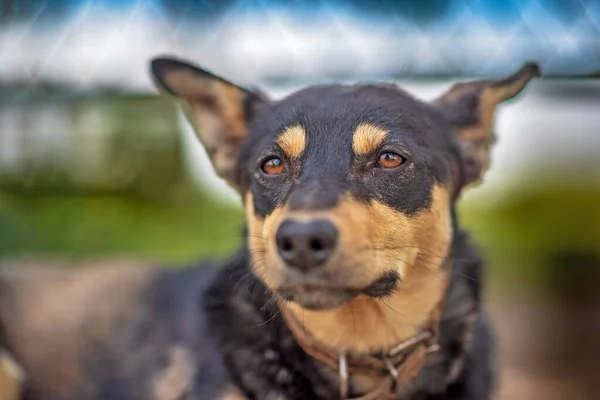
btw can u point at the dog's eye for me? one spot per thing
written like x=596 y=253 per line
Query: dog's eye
x=273 y=166
x=389 y=159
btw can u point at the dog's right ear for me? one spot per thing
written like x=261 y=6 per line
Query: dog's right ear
x=470 y=108
x=218 y=109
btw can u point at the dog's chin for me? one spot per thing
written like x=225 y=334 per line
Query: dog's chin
x=318 y=298
x=315 y=298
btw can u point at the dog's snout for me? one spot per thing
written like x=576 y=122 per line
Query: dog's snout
x=306 y=245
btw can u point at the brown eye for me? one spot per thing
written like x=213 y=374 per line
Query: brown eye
x=273 y=166
x=390 y=160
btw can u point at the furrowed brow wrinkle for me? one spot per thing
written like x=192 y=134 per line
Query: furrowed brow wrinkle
x=293 y=141
x=367 y=138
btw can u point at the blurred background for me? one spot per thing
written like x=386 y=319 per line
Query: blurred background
x=94 y=165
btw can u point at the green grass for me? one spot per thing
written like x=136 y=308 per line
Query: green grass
x=540 y=234
x=176 y=231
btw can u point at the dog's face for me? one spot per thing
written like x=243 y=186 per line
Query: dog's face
x=348 y=189
x=345 y=187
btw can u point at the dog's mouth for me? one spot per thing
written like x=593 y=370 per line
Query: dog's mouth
x=318 y=298
x=326 y=296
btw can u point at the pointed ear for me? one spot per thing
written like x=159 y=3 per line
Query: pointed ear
x=470 y=108
x=219 y=110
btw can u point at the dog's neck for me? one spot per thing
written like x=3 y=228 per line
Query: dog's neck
x=372 y=325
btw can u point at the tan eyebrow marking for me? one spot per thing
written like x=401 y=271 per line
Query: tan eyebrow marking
x=293 y=141
x=367 y=138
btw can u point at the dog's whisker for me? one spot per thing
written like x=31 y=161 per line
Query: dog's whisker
x=257 y=251
x=399 y=313
x=245 y=276
x=270 y=319
x=438 y=273
x=256 y=281
x=466 y=276
x=256 y=262
x=433 y=254
x=255 y=237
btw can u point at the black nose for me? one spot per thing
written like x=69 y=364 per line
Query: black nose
x=306 y=245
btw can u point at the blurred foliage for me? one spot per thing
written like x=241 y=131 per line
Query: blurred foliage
x=547 y=235
x=178 y=230
x=103 y=142
x=101 y=174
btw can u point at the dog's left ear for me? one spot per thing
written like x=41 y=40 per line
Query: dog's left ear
x=470 y=108
x=219 y=110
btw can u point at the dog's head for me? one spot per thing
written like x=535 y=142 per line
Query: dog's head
x=348 y=189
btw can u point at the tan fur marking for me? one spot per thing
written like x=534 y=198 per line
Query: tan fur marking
x=261 y=248
x=51 y=316
x=186 y=83
x=231 y=102
x=373 y=240
x=293 y=141
x=367 y=138
x=216 y=111
x=376 y=239
x=476 y=139
x=221 y=127
x=233 y=394
x=211 y=131
x=412 y=245
x=489 y=99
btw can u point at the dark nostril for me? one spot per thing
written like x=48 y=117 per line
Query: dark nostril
x=286 y=244
x=305 y=245
x=316 y=244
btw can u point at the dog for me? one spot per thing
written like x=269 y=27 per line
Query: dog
x=356 y=281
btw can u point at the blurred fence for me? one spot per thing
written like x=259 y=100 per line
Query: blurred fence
x=89 y=142
x=94 y=42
